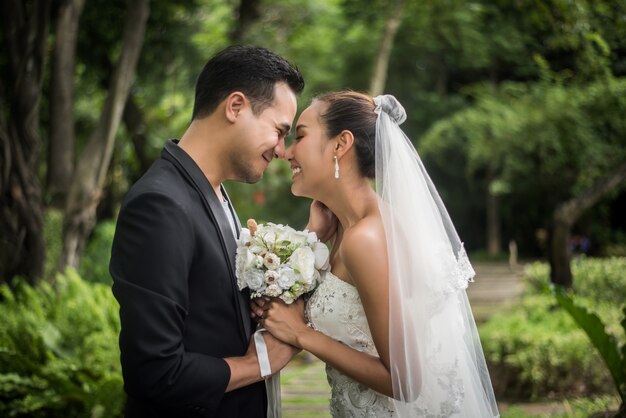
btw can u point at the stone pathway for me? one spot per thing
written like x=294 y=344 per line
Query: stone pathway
x=495 y=287
x=304 y=390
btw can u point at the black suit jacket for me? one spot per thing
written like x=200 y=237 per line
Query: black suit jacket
x=172 y=264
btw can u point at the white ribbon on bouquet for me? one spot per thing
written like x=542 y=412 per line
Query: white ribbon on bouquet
x=272 y=383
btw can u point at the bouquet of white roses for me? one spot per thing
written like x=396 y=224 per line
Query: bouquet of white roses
x=278 y=261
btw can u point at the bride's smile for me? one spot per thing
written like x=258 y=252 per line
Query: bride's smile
x=311 y=154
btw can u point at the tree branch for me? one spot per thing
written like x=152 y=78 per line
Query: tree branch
x=62 y=139
x=568 y=212
x=379 y=77
x=86 y=189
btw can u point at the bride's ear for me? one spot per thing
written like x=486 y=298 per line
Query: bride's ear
x=343 y=143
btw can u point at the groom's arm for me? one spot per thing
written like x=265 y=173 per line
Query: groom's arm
x=245 y=370
x=150 y=262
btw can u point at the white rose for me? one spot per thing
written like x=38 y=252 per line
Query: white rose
x=287 y=277
x=271 y=276
x=267 y=233
x=282 y=233
x=255 y=280
x=288 y=297
x=273 y=290
x=311 y=237
x=258 y=261
x=255 y=248
x=271 y=261
x=310 y=286
x=295 y=238
x=321 y=256
x=300 y=238
x=244 y=260
x=303 y=262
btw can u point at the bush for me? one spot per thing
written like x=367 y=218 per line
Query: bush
x=599 y=279
x=59 y=353
x=535 y=350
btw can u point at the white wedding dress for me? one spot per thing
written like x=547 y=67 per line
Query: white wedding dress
x=335 y=309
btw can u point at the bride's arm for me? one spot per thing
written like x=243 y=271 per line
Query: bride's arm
x=364 y=254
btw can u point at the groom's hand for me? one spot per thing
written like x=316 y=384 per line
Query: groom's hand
x=258 y=306
x=322 y=221
x=278 y=352
x=245 y=370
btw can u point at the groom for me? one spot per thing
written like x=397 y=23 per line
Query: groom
x=185 y=333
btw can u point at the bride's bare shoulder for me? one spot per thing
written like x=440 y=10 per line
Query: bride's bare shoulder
x=364 y=239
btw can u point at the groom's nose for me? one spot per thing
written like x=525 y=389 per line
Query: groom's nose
x=279 y=149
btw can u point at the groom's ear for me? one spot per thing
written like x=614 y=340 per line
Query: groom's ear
x=233 y=104
x=344 y=142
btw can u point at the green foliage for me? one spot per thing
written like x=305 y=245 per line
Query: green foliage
x=53 y=239
x=543 y=143
x=602 y=280
x=94 y=264
x=59 y=354
x=605 y=343
x=535 y=350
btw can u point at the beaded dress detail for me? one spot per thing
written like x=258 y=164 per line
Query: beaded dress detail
x=335 y=309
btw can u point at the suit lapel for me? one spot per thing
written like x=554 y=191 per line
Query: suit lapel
x=190 y=169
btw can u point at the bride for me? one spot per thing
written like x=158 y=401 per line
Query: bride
x=391 y=318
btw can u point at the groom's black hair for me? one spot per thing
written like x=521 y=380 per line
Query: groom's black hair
x=249 y=69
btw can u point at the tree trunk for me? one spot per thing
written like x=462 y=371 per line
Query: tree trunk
x=86 y=188
x=247 y=13
x=61 y=143
x=25 y=30
x=133 y=119
x=564 y=217
x=379 y=77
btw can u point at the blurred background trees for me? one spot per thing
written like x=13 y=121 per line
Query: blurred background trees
x=516 y=107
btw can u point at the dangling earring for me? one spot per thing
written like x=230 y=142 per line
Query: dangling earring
x=336 y=167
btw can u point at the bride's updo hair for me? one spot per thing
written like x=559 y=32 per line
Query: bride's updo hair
x=354 y=112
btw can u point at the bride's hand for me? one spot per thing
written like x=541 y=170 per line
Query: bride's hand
x=322 y=221
x=285 y=322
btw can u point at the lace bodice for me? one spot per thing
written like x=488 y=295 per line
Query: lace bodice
x=335 y=309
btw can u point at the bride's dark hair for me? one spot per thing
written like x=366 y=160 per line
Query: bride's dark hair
x=354 y=112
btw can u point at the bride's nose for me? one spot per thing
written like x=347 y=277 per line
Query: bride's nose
x=288 y=155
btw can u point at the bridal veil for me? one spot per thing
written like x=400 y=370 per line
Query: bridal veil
x=437 y=364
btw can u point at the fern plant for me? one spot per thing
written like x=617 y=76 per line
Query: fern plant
x=612 y=353
x=59 y=354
